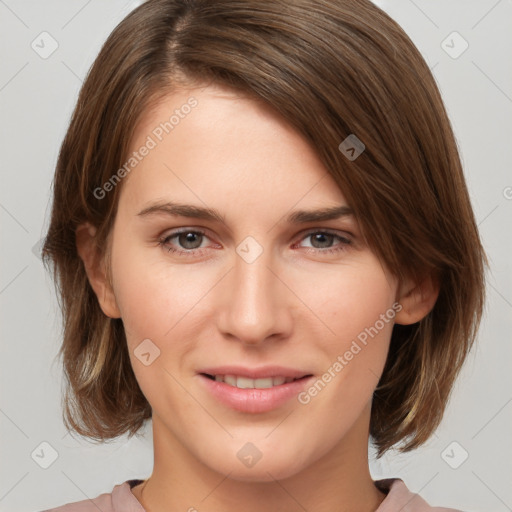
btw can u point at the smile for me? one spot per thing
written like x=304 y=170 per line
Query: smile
x=253 y=395
x=247 y=383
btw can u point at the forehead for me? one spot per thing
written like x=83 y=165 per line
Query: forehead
x=213 y=145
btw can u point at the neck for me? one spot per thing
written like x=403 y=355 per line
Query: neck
x=337 y=481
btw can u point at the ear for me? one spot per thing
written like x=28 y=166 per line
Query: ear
x=417 y=299
x=95 y=268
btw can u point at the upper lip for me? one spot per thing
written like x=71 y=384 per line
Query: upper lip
x=256 y=373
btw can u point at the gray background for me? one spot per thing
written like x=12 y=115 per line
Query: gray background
x=37 y=96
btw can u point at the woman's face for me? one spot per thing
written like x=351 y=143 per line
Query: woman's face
x=259 y=287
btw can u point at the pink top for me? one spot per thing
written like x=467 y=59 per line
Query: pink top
x=121 y=499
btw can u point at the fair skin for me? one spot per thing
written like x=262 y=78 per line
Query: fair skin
x=296 y=305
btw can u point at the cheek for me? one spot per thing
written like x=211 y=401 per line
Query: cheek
x=155 y=303
x=355 y=306
x=347 y=299
x=152 y=296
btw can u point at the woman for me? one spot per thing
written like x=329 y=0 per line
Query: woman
x=263 y=242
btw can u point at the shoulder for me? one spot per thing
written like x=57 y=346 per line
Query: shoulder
x=121 y=499
x=399 y=497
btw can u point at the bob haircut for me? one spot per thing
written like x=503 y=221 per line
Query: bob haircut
x=331 y=68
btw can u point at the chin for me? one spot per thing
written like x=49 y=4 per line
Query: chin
x=262 y=473
x=270 y=467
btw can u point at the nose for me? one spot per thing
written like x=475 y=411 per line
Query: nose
x=254 y=303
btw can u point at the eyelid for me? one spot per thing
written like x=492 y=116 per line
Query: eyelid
x=336 y=232
x=344 y=241
x=178 y=231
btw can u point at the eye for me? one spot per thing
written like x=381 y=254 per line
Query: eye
x=188 y=239
x=322 y=241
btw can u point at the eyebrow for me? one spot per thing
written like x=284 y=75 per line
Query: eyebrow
x=198 y=212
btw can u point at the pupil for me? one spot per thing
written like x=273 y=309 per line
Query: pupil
x=320 y=236
x=188 y=239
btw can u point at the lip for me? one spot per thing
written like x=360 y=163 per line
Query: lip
x=253 y=400
x=255 y=373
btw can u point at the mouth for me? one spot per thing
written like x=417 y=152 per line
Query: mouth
x=248 y=395
x=241 y=382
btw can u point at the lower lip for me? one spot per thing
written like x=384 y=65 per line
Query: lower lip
x=254 y=400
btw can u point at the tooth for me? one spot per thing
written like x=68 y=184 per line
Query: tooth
x=244 y=383
x=264 y=383
x=230 y=379
x=247 y=383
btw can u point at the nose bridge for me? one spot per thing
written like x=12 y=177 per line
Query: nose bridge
x=254 y=305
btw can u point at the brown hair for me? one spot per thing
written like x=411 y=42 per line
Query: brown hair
x=331 y=69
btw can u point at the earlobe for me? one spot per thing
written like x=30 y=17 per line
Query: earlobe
x=95 y=268
x=417 y=300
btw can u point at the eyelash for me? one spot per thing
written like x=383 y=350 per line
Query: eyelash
x=164 y=241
